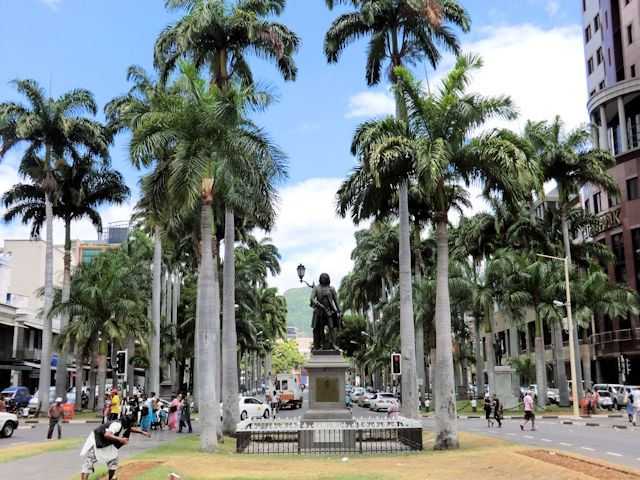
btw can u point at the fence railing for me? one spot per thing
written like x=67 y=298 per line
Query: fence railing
x=360 y=436
x=615 y=336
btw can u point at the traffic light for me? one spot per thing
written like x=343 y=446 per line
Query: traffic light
x=121 y=362
x=395 y=363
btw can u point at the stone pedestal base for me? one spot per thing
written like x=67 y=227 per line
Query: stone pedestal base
x=505 y=387
x=326 y=370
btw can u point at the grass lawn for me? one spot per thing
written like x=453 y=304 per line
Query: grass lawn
x=479 y=457
x=28 y=449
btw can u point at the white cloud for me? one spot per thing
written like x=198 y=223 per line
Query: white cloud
x=552 y=8
x=82 y=230
x=370 y=104
x=52 y=4
x=542 y=70
x=309 y=231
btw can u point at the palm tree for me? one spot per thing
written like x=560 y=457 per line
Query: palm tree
x=53 y=130
x=80 y=189
x=568 y=159
x=212 y=139
x=106 y=305
x=402 y=32
x=128 y=112
x=218 y=37
x=448 y=154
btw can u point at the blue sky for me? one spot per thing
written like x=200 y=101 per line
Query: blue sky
x=528 y=45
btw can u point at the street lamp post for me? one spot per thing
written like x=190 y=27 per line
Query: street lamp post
x=301 y=271
x=572 y=350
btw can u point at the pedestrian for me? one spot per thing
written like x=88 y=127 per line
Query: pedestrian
x=497 y=410
x=55 y=418
x=116 y=405
x=636 y=406
x=106 y=410
x=3 y=406
x=488 y=408
x=629 y=406
x=529 y=415
x=589 y=401
x=103 y=443
x=174 y=413
x=185 y=414
x=146 y=413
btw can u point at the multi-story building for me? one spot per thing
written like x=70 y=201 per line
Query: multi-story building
x=612 y=64
x=21 y=277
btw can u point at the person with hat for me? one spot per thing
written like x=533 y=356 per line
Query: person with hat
x=103 y=443
x=56 y=415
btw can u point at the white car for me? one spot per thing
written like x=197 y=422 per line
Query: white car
x=251 y=407
x=8 y=423
x=383 y=402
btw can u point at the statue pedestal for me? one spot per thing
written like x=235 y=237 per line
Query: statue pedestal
x=327 y=370
x=505 y=387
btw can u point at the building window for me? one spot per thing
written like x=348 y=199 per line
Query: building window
x=590 y=66
x=597 y=203
x=599 y=56
x=633 y=71
x=596 y=23
x=606 y=20
x=609 y=55
x=584 y=5
x=587 y=206
x=617 y=245
x=587 y=34
x=592 y=93
x=614 y=200
x=635 y=242
x=601 y=85
x=632 y=189
x=630 y=34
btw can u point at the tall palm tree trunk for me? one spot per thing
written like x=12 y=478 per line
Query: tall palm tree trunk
x=156 y=289
x=93 y=380
x=419 y=326
x=479 y=358
x=176 y=378
x=445 y=397
x=207 y=334
x=541 y=367
x=101 y=379
x=131 y=351
x=63 y=355
x=407 y=328
x=577 y=382
x=561 y=371
x=229 y=337
x=79 y=359
x=45 y=360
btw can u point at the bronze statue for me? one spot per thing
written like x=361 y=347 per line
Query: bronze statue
x=326 y=315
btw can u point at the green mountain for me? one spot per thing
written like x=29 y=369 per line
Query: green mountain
x=298 y=310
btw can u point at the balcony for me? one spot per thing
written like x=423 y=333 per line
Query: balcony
x=30 y=354
x=617 y=341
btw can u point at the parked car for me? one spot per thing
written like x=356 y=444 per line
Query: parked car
x=605 y=399
x=356 y=394
x=553 y=394
x=383 y=402
x=16 y=397
x=365 y=400
x=8 y=423
x=251 y=407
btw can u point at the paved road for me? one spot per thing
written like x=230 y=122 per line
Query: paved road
x=604 y=442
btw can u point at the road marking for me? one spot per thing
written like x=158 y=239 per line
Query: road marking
x=528 y=436
x=565 y=444
x=588 y=449
x=511 y=434
x=614 y=454
x=546 y=440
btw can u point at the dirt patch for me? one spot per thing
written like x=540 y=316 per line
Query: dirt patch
x=131 y=471
x=586 y=467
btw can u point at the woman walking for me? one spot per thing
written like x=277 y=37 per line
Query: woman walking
x=488 y=410
x=497 y=410
x=147 y=415
x=174 y=413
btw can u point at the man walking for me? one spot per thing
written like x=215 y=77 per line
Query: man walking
x=55 y=418
x=185 y=414
x=529 y=414
x=116 y=405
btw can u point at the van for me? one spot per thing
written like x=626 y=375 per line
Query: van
x=288 y=390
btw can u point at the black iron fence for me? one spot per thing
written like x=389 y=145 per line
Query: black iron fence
x=273 y=437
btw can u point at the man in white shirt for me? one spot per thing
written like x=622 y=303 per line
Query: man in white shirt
x=103 y=443
x=529 y=415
